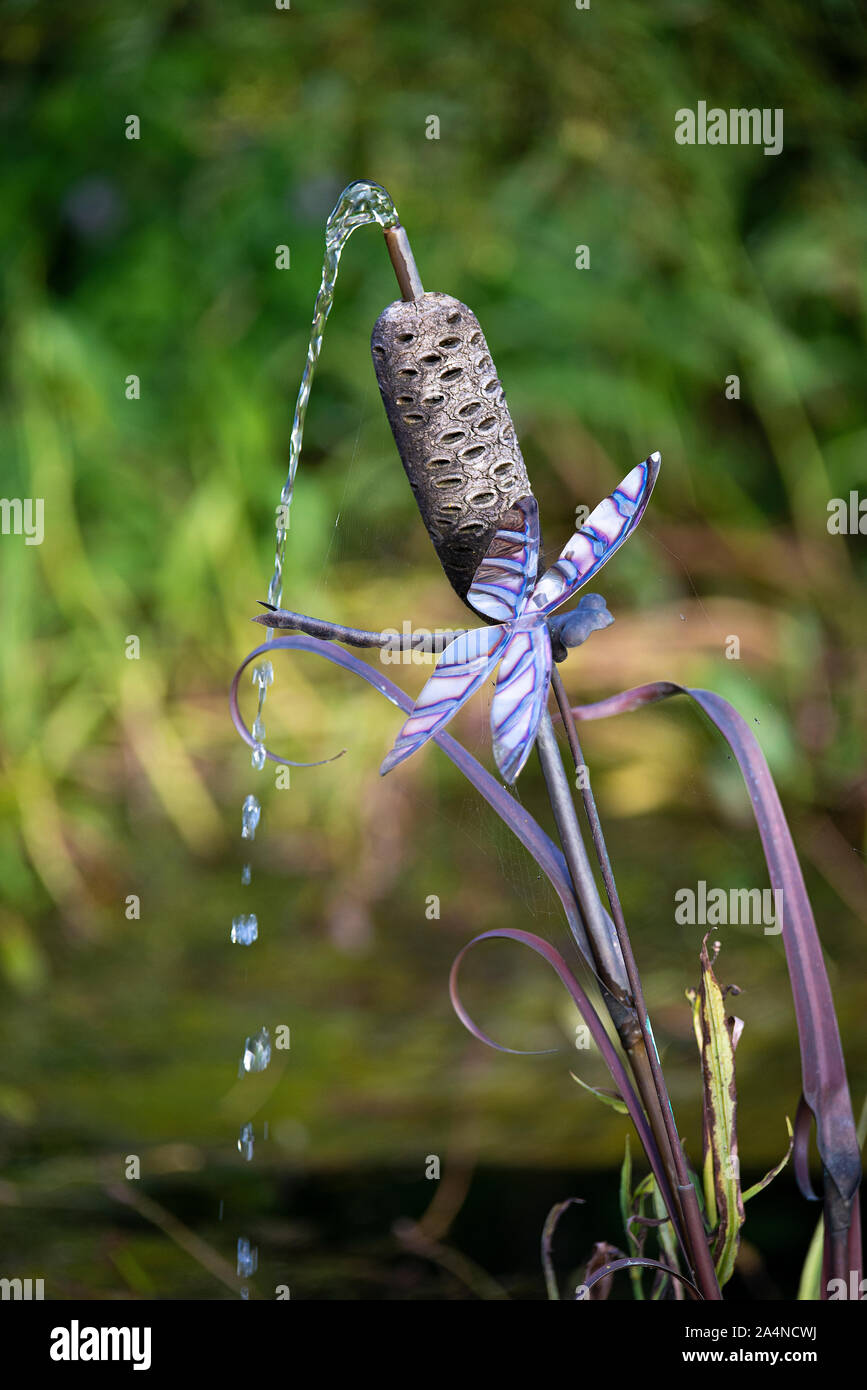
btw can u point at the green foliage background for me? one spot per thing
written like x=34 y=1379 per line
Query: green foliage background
x=157 y=257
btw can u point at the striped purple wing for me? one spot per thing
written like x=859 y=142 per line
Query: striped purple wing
x=605 y=529
x=520 y=698
x=508 y=571
x=462 y=668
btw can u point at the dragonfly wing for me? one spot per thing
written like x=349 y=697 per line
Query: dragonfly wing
x=462 y=668
x=605 y=529
x=520 y=698
x=508 y=572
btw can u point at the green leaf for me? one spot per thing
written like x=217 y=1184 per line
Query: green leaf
x=608 y=1097
x=625 y=1213
x=810 y=1286
x=769 y=1177
x=667 y=1239
x=626 y=1187
x=717 y=1035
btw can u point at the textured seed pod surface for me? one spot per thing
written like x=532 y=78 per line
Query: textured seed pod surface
x=451 y=424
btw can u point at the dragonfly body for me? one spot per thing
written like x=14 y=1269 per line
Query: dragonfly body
x=505 y=590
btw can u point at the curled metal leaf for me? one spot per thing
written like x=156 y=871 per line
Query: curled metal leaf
x=636 y=1262
x=600 y=1036
x=551 y=1222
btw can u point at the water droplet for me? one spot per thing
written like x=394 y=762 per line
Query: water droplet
x=245 y=874
x=257 y=1052
x=258 y=758
x=245 y=1293
x=258 y=729
x=245 y=1142
x=263 y=674
x=250 y=813
x=248 y=1260
x=245 y=930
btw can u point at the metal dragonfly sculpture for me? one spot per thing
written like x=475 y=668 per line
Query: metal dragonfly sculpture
x=506 y=591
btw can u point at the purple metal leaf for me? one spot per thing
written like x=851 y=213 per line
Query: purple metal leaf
x=823 y=1069
x=598 y=1032
x=636 y=1262
x=801 y=1150
x=551 y=1222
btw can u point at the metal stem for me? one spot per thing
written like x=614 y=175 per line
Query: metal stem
x=701 y=1257
x=607 y=954
x=403 y=261
x=600 y=930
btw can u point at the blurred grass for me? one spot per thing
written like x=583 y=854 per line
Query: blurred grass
x=156 y=258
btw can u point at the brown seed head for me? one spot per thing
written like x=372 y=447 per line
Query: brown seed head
x=451 y=424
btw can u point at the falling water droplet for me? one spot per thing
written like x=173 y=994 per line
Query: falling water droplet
x=245 y=930
x=257 y=1052
x=250 y=813
x=258 y=729
x=248 y=1259
x=263 y=674
x=245 y=1142
x=245 y=874
x=258 y=757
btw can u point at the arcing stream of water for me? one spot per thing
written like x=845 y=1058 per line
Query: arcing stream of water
x=359 y=205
